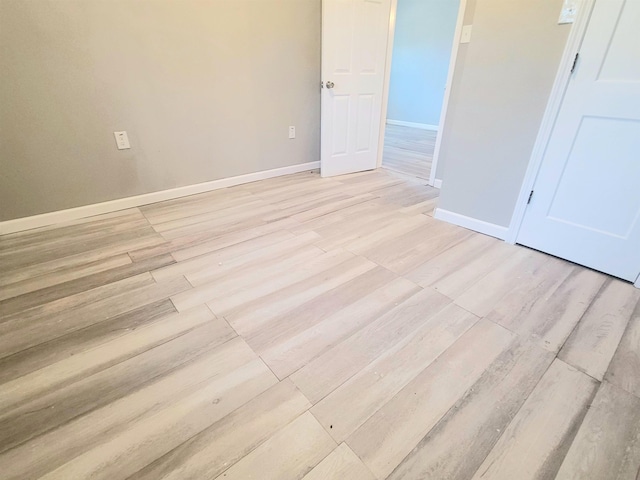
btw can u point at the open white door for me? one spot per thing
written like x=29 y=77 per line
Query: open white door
x=354 y=43
x=586 y=201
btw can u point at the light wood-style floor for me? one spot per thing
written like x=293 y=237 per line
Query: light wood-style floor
x=409 y=150
x=308 y=328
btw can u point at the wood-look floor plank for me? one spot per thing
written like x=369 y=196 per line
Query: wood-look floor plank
x=341 y=464
x=65 y=265
x=594 y=341
x=290 y=453
x=249 y=269
x=190 y=246
x=210 y=452
x=536 y=441
x=257 y=307
x=39 y=282
x=624 y=370
x=296 y=206
x=185 y=207
x=409 y=150
x=290 y=355
x=450 y=261
x=328 y=371
x=57 y=230
x=482 y=297
x=426 y=207
x=106 y=374
x=350 y=229
x=239 y=220
x=71 y=232
x=152 y=437
x=241 y=285
x=226 y=221
x=116 y=351
x=55 y=448
x=334 y=206
x=483 y=269
x=46 y=353
x=352 y=403
x=38 y=254
x=200 y=269
x=549 y=308
x=55 y=319
x=78 y=285
x=471 y=268
x=298 y=319
x=226 y=240
x=402 y=253
x=607 y=446
x=394 y=430
x=386 y=233
x=456 y=447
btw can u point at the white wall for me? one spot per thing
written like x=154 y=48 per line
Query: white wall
x=421 y=55
x=502 y=83
x=205 y=88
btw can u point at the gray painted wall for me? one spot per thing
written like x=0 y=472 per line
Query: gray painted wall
x=421 y=56
x=502 y=83
x=205 y=89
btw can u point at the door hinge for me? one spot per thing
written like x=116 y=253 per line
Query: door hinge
x=575 y=62
x=530 y=196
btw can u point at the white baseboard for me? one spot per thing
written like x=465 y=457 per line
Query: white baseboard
x=422 y=126
x=36 y=221
x=437 y=183
x=490 y=229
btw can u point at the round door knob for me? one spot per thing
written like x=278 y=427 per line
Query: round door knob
x=330 y=84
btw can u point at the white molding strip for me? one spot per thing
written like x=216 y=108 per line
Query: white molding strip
x=490 y=229
x=421 y=126
x=455 y=45
x=637 y=284
x=387 y=80
x=437 y=183
x=45 y=219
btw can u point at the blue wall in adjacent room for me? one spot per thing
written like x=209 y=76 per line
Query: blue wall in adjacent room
x=421 y=54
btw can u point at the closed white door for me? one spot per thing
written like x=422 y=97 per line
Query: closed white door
x=586 y=201
x=354 y=43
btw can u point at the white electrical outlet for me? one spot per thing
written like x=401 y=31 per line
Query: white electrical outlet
x=568 y=13
x=122 y=141
x=292 y=132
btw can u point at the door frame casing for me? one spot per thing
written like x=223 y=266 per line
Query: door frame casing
x=462 y=7
x=560 y=85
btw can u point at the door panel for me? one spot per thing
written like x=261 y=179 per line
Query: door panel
x=586 y=202
x=354 y=43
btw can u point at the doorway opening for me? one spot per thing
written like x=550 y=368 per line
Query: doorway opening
x=422 y=57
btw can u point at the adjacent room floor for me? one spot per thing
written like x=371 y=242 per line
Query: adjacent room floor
x=309 y=328
x=409 y=150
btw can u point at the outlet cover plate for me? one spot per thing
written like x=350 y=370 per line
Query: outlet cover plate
x=568 y=13
x=122 y=140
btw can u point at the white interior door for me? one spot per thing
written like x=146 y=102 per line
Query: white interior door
x=354 y=43
x=586 y=201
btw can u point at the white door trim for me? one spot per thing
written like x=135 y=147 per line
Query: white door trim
x=447 y=93
x=387 y=79
x=445 y=104
x=560 y=84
